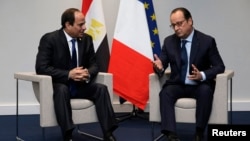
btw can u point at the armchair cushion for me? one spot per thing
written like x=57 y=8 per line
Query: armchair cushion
x=78 y=104
x=186 y=103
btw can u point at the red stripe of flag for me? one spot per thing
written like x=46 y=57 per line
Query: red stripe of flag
x=85 y=6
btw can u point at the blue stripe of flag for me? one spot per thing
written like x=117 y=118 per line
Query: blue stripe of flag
x=152 y=26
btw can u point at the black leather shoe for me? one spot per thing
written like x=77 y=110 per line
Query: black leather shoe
x=67 y=139
x=198 y=137
x=173 y=137
x=68 y=135
x=110 y=138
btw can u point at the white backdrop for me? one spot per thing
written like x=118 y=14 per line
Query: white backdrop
x=23 y=22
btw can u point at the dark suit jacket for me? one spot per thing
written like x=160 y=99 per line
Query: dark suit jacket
x=204 y=55
x=53 y=57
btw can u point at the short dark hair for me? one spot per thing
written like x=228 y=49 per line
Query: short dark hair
x=68 y=16
x=185 y=12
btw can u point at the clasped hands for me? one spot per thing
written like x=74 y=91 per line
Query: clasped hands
x=196 y=74
x=79 y=74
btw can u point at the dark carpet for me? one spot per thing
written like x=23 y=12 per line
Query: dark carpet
x=134 y=129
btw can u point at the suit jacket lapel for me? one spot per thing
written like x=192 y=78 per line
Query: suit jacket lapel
x=177 y=50
x=65 y=47
x=194 y=48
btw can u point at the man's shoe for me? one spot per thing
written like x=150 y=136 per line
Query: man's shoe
x=68 y=135
x=173 y=137
x=198 y=137
x=67 y=139
x=110 y=138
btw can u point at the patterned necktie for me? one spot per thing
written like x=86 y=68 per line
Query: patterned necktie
x=184 y=60
x=72 y=87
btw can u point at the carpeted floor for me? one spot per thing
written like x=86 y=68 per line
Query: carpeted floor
x=134 y=129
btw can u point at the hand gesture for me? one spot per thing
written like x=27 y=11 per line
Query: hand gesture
x=196 y=75
x=157 y=64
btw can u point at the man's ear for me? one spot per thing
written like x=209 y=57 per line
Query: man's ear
x=67 y=25
x=190 y=20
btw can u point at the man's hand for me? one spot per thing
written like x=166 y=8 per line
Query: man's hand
x=79 y=74
x=157 y=64
x=196 y=75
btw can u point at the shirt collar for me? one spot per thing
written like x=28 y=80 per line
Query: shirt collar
x=190 y=37
x=67 y=36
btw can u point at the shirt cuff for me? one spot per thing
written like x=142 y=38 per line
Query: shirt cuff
x=87 y=81
x=203 y=76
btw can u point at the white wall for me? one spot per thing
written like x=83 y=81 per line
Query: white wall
x=23 y=22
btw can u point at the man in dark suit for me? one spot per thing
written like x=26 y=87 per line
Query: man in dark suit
x=74 y=80
x=199 y=67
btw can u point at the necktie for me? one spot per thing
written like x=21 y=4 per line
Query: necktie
x=184 y=60
x=73 y=57
x=72 y=87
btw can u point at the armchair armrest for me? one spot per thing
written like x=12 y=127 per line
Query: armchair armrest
x=107 y=79
x=104 y=78
x=155 y=85
x=220 y=101
x=42 y=86
x=43 y=80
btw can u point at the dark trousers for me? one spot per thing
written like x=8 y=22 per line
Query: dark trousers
x=98 y=93
x=203 y=93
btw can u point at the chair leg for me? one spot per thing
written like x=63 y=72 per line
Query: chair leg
x=44 y=138
x=19 y=139
x=87 y=134
x=152 y=130
x=157 y=138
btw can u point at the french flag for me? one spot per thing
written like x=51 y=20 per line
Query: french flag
x=134 y=43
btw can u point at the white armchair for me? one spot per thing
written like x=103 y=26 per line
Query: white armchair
x=83 y=110
x=185 y=107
